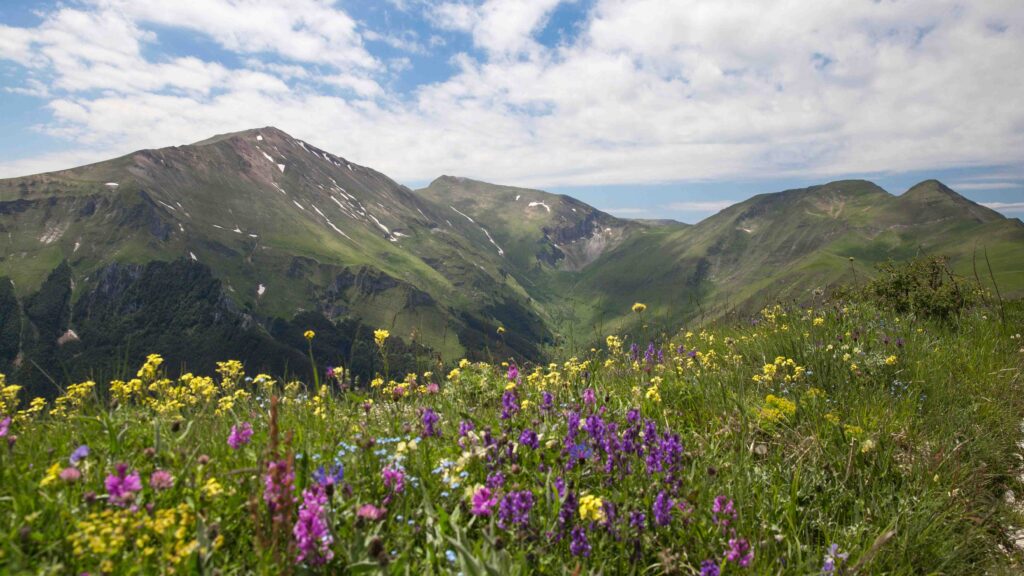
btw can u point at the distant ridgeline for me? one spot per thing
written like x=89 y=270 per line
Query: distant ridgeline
x=234 y=246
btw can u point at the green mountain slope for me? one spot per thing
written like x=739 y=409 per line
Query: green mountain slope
x=238 y=243
x=284 y=227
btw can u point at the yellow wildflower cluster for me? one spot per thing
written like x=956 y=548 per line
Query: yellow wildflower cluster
x=819 y=321
x=639 y=307
x=591 y=508
x=381 y=337
x=8 y=396
x=776 y=410
x=781 y=370
x=165 y=396
x=110 y=537
x=614 y=344
x=320 y=402
x=72 y=399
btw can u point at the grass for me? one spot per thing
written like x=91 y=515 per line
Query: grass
x=892 y=438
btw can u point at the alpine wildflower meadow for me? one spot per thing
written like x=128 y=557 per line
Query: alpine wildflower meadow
x=838 y=440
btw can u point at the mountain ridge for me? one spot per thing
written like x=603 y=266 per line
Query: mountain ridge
x=290 y=233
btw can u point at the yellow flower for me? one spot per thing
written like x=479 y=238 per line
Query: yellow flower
x=832 y=418
x=380 y=337
x=867 y=446
x=890 y=361
x=501 y=329
x=591 y=508
x=309 y=335
x=212 y=488
x=52 y=473
x=639 y=307
x=819 y=321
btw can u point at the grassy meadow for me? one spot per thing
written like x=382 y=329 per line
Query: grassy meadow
x=838 y=440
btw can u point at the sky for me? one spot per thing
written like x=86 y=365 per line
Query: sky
x=643 y=108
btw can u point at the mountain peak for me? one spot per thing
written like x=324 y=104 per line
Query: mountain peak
x=264 y=132
x=932 y=189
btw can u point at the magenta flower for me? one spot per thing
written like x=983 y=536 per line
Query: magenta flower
x=5 y=426
x=122 y=486
x=70 y=474
x=722 y=511
x=513 y=373
x=483 y=502
x=240 y=435
x=312 y=535
x=371 y=512
x=161 y=480
x=739 y=552
x=433 y=388
x=394 y=478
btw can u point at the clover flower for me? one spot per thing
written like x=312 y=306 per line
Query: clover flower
x=70 y=474
x=161 y=480
x=371 y=512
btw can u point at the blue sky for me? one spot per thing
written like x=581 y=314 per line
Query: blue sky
x=645 y=108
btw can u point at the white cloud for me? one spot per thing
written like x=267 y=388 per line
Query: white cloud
x=1005 y=206
x=995 y=185
x=647 y=91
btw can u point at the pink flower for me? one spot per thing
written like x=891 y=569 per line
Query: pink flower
x=371 y=512
x=433 y=388
x=70 y=474
x=161 y=480
x=122 y=486
x=483 y=501
x=240 y=435
x=5 y=426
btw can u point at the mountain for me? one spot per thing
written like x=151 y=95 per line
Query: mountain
x=235 y=245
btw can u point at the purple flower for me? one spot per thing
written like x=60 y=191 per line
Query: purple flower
x=430 y=420
x=495 y=480
x=161 y=480
x=529 y=438
x=483 y=502
x=394 y=478
x=739 y=552
x=240 y=435
x=509 y=404
x=329 y=477
x=5 y=426
x=833 y=554
x=662 y=509
x=722 y=511
x=79 y=454
x=637 y=519
x=547 y=400
x=589 y=398
x=465 y=427
x=513 y=373
x=122 y=486
x=312 y=536
x=709 y=568
x=514 y=509
x=579 y=546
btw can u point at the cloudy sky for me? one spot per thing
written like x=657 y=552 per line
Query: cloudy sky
x=645 y=108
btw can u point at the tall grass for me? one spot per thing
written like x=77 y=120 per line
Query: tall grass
x=894 y=439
